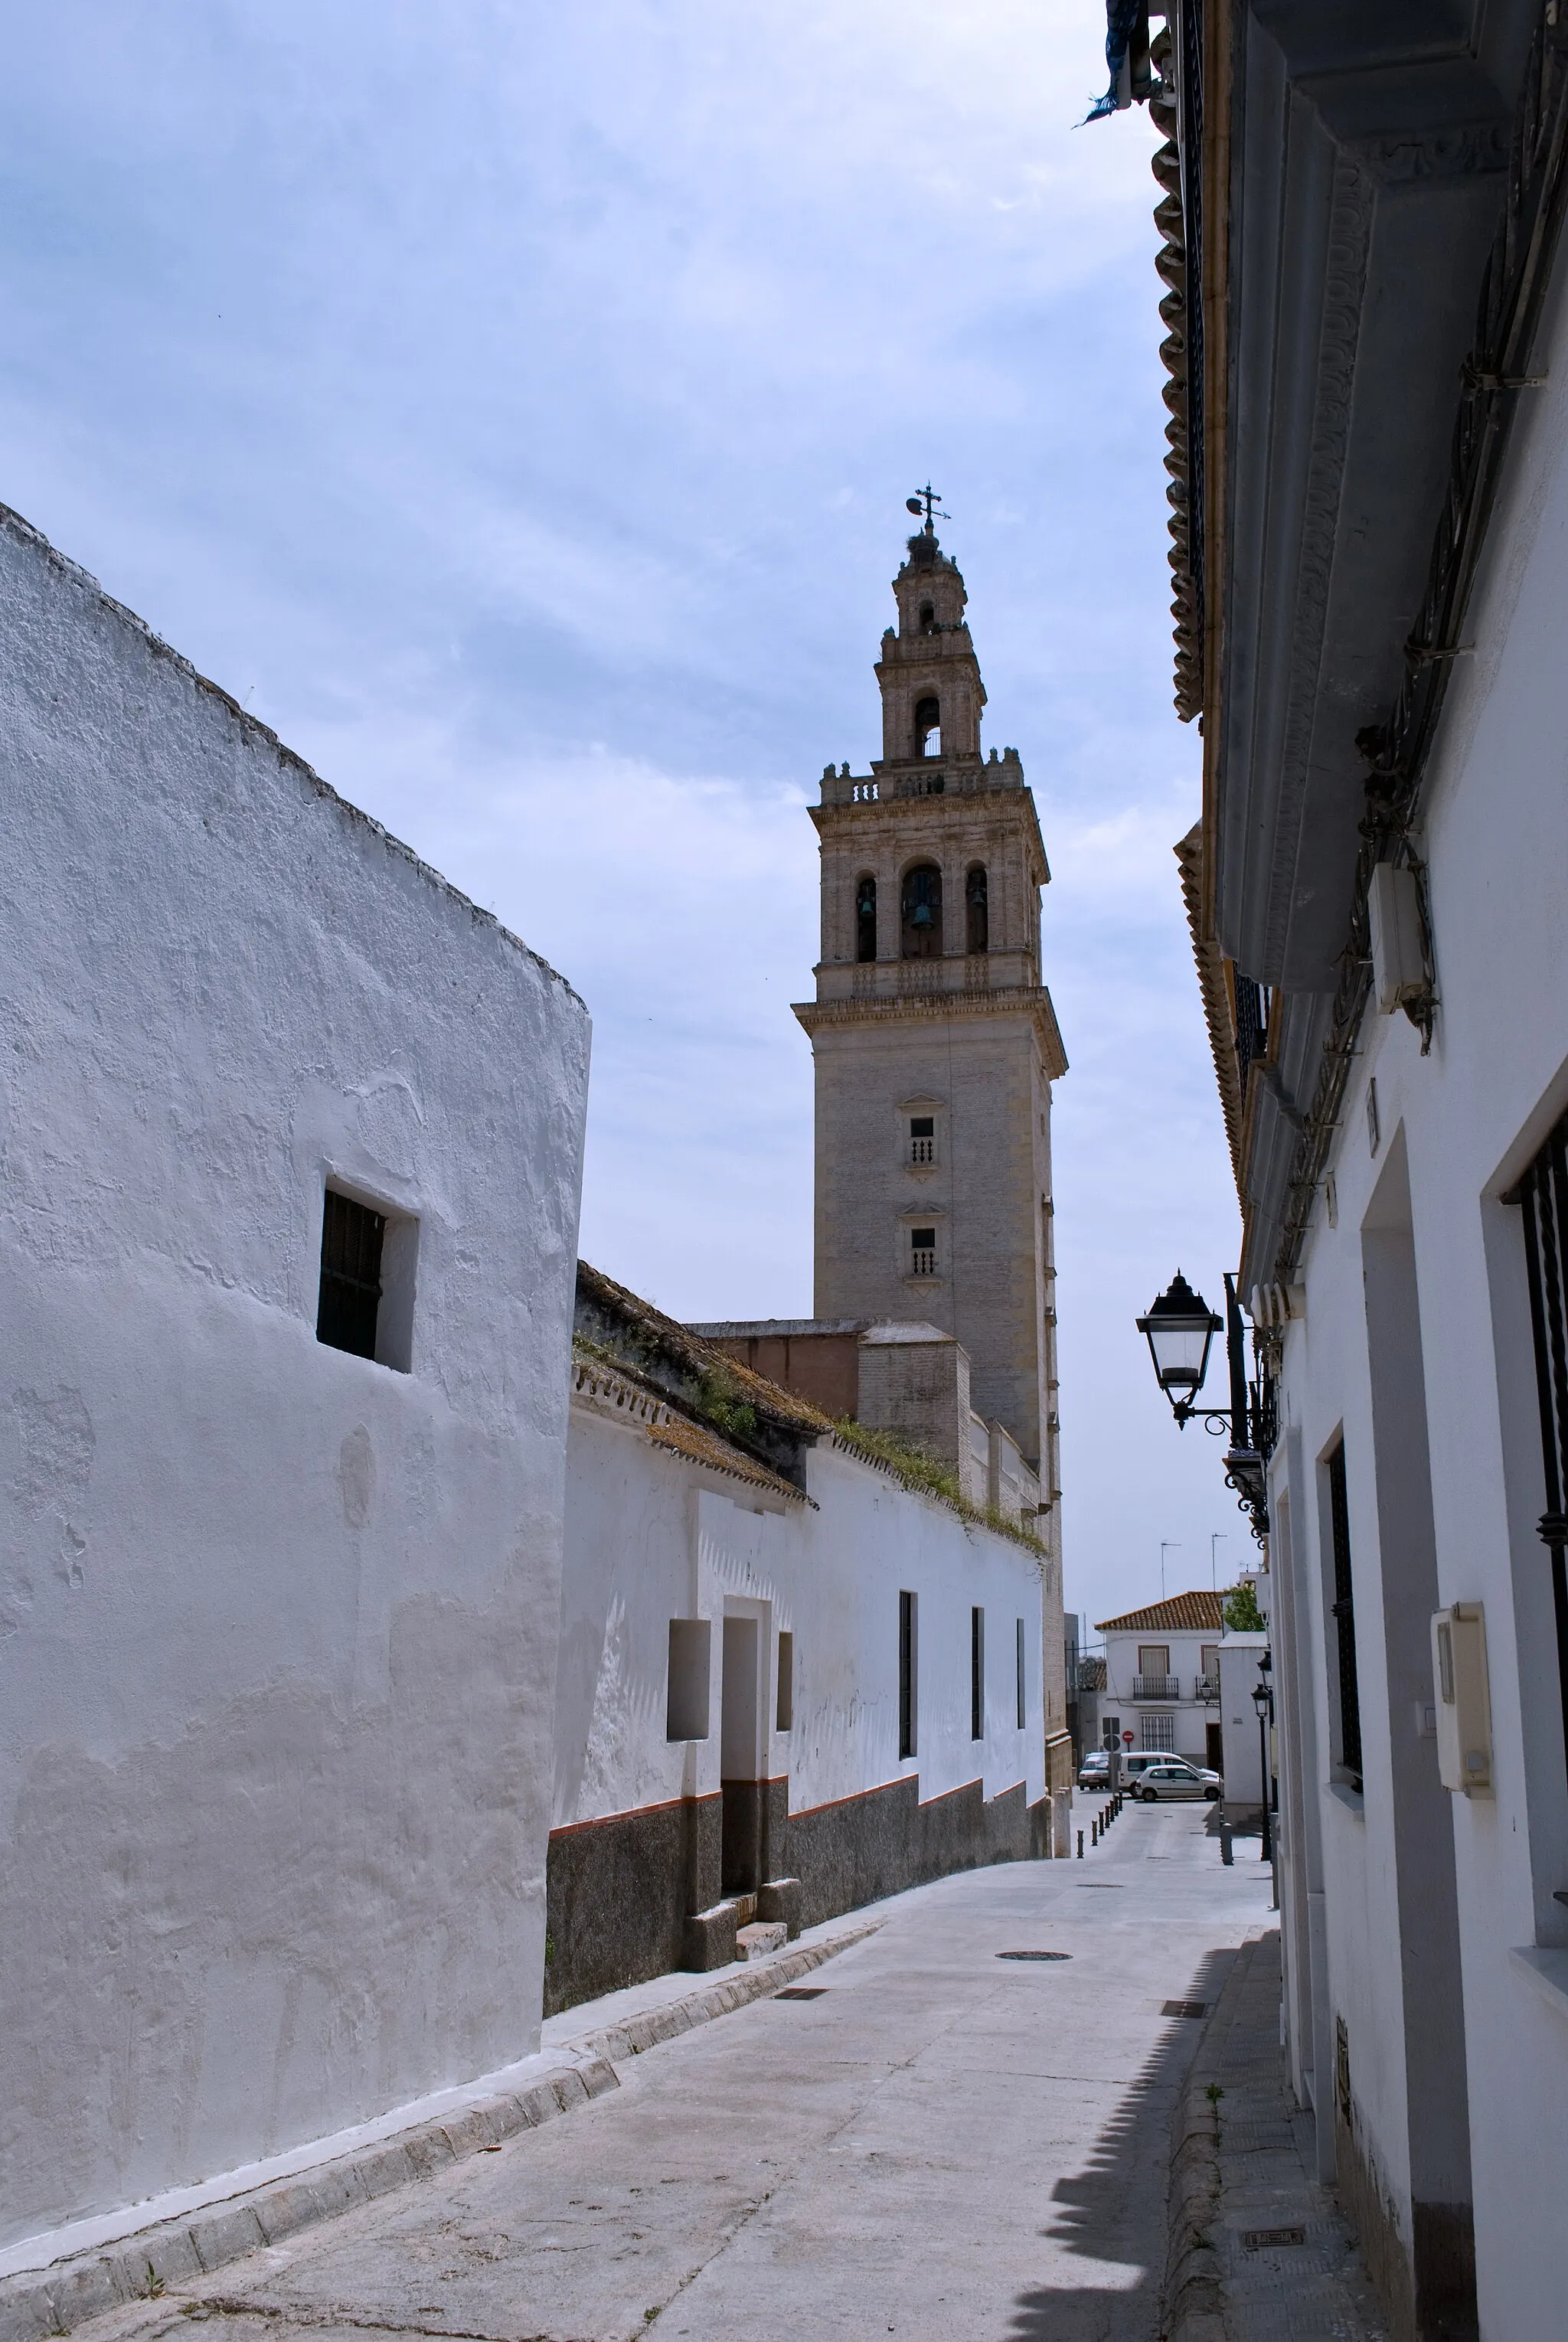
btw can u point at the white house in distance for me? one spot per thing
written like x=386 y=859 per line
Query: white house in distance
x=1162 y=1677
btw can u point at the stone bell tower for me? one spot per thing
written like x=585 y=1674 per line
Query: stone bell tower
x=934 y=1040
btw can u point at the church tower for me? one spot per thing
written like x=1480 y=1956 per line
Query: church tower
x=934 y=1040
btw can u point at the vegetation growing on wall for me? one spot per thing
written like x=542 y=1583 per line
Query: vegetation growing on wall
x=918 y=1469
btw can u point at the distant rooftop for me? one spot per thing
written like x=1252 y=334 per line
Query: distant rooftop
x=1190 y=1614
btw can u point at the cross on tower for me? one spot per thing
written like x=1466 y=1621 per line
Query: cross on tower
x=926 y=502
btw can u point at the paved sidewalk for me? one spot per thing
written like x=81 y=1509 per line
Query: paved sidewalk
x=942 y=2143
x=1260 y=2251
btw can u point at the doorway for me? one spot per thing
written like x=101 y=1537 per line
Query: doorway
x=1214 y=1747
x=740 y=1767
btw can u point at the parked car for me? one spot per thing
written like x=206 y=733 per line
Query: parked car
x=1095 y=1772
x=1176 y=1780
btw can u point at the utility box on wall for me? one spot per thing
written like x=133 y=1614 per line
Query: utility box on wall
x=1464 y=1703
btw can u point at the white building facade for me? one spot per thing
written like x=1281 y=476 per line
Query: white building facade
x=1373 y=567
x=1162 y=1677
x=280 y=1553
x=791 y=1681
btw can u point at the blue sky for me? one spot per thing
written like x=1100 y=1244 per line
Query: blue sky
x=515 y=406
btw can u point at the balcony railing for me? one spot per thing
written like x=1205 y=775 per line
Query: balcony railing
x=1156 y=1687
x=1207 y=1688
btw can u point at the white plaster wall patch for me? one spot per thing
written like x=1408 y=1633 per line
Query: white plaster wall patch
x=391 y=1126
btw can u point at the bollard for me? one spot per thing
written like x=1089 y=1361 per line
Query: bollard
x=1080 y=1846
x=1094 y=1831
x=1226 y=1854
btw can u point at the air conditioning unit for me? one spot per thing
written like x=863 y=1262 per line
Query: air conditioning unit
x=1463 y=1701
x=1398 y=961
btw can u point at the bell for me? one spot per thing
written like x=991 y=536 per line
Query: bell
x=921 y=917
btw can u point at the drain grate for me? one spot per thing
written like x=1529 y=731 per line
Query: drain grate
x=801 y=1992
x=1034 y=1955
x=1185 y=2008
x=1263 y=2240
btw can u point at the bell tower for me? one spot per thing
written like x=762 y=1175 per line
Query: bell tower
x=935 y=1041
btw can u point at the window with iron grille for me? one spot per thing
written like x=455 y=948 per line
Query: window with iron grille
x=1021 y=1711
x=1157 y=1731
x=977 y=1674
x=350 y=1297
x=1544 y=1194
x=1349 y=1701
x=922 y=1252
x=908 y=1663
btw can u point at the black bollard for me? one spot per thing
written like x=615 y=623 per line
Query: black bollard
x=1226 y=1854
x=1080 y=1846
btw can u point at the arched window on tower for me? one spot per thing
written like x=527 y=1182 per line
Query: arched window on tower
x=865 y=919
x=928 y=618
x=928 y=727
x=979 y=935
x=921 y=907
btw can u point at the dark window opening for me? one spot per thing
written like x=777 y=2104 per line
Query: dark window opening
x=865 y=919
x=1020 y=1713
x=908 y=1662
x=1345 y=1618
x=350 y=1297
x=977 y=1674
x=1544 y=1193
x=928 y=618
x=922 y=1252
x=979 y=915
x=923 y=1138
x=927 y=727
x=921 y=907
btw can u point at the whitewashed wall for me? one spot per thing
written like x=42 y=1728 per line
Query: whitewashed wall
x=650 y=1538
x=1454 y=1130
x=277 y=1625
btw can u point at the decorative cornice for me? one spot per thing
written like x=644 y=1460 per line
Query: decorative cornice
x=1351 y=210
x=1033 y=1001
x=614 y=1395
x=1494 y=377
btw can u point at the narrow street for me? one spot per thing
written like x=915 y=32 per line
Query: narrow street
x=945 y=2141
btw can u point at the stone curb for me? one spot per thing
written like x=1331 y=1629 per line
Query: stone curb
x=36 y=2303
x=1194 y=2291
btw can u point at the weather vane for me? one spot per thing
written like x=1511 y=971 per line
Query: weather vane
x=926 y=503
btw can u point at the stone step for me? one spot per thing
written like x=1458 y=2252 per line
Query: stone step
x=763 y=1936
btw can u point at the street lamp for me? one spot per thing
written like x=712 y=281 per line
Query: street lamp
x=1264 y=1700
x=1180 y=1328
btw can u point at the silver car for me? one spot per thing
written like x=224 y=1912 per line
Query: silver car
x=1095 y=1773
x=1175 y=1778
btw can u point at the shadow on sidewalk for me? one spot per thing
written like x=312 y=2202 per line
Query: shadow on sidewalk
x=1114 y=2210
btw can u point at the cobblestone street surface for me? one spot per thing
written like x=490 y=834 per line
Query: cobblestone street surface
x=940 y=2141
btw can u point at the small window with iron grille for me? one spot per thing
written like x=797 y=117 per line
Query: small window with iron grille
x=908 y=1673
x=364 y=1303
x=1544 y=1194
x=976 y=1673
x=923 y=1138
x=922 y=1252
x=1022 y=1717
x=349 y=1298
x=1348 y=1702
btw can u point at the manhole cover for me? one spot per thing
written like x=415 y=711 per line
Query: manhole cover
x=1034 y=1955
x=1263 y=2240
x=1185 y=2008
x=801 y=1992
